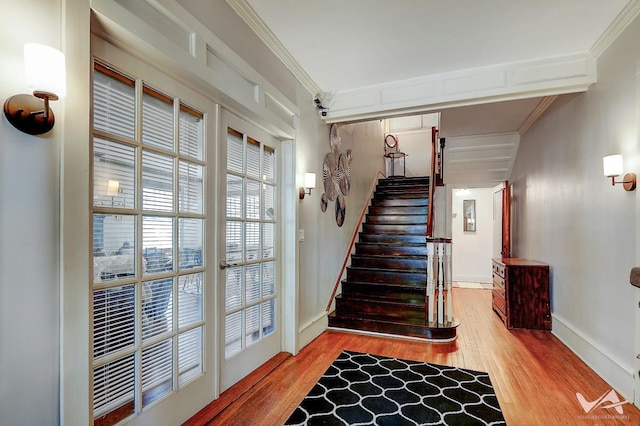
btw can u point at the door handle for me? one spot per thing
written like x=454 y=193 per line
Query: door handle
x=224 y=265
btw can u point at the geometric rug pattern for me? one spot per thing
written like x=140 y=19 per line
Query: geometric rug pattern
x=364 y=389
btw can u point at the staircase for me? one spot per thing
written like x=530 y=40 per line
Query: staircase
x=385 y=288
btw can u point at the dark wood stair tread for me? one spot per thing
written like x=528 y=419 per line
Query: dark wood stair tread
x=432 y=331
x=385 y=286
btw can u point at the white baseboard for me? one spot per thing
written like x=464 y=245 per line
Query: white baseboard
x=473 y=278
x=312 y=329
x=606 y=365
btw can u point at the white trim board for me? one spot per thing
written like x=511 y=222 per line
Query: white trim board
x=205 y=64
x=309 y=331
x=610 y=369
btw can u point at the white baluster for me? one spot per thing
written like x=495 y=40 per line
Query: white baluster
x=448 y=282
x=440 y=283
x=430 y=282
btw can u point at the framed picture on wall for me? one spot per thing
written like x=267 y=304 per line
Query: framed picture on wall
x=469 y=219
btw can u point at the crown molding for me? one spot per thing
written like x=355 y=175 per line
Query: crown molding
x=619 y=24
x=251 y=18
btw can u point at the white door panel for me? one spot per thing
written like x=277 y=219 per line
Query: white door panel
x=249 y=252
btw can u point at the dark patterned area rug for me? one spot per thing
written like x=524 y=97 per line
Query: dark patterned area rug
x=363 y=389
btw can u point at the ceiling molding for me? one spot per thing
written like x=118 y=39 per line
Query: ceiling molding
x=251 y=18
x=483 y=147
x=518 y=80
x=628 y=14
x=536 y=113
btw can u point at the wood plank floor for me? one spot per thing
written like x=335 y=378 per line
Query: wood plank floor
x=535 y=376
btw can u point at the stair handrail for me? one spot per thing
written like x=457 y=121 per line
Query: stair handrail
x=356 y=230
x=432 y=183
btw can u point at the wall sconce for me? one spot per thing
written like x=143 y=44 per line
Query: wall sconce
x=612 y=165
x=309 y=183
x=45 y=75
x=113 y=190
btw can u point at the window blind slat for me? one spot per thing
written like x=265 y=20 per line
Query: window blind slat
x=113 y=385
x=235 y=185
x=233 y=334
x=190 y=299
x=191 y=141
x=268 y=164
x=113 y=105
x=190 y=235
x=113 y=174
x=189 y=355
x=157 y=307
x=268 y=240
x=157 y=122
x=268 y=279
x=157 y=371
x=253 y=160
x=235 y=241
x=113 y=320
x=252 y=201
x=233 y=287
x=235 y=153
x=157 y=182
x=268 y=195
x=252 y=283
x=268 y=317
x=252 y=324
x=252 y=240
x=191 y=187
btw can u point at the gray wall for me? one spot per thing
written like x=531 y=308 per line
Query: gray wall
x=29 y=235
x=322 y=252
x=566 y=213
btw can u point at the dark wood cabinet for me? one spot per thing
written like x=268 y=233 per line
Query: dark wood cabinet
x=521 y=293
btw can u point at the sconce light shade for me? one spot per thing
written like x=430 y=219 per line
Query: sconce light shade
x=113 y=187
x=45 y=76
x=44 y=70
x=309 y=184
x=613 y=166
x=309 y=180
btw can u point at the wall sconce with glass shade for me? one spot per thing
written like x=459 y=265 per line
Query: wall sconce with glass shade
x=45 y=75
x=309 y=184
x=613 y=167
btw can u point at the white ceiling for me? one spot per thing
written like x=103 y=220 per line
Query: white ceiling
x=346 y=46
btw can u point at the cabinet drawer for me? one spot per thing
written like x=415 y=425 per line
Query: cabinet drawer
x=498 y=282
x=499 y=292
x=499 y=305
x=498 y=269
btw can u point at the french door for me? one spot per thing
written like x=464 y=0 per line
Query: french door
x=249 y=264
x=152 y=306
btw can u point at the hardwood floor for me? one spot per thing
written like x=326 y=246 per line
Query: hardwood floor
x=535 y=376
